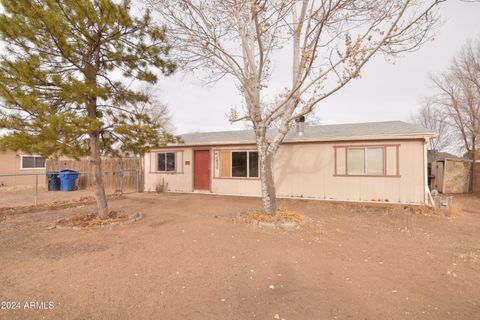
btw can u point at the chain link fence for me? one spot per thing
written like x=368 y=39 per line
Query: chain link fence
x=33 y=188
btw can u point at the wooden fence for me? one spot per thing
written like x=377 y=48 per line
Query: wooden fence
x=120 y=174
x=476 y=178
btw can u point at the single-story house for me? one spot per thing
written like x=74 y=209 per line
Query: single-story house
x=448 y=173
x=378 y=161
x=19 y=169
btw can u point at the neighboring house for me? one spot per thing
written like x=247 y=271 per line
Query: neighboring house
x=448 y=173
x=379 y=161
x=19 y=169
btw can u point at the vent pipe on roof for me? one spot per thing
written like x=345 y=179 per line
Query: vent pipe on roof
x=300 y=125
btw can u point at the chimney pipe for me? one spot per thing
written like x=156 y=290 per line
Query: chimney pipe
x=300 y=125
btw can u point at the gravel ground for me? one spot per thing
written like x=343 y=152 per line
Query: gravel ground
x=190 y=258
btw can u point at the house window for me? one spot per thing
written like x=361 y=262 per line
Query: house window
x=239 y=164
x=366 y=161
x=32 y=162
x=166 y=161
x=253 y=164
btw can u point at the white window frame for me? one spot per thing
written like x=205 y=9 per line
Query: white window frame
x=30 y=156
x=365 y=161
x=165 y=155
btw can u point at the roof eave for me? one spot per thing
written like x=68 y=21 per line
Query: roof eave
x=306 y=140
x=368 y=137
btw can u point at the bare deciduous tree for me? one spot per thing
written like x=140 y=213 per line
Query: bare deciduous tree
x=159 y=112
x=327 y=43
x=138 y=126
x=458 y=95
x=433 y=118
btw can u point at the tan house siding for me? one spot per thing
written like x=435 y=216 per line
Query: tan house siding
x=10 y=163
x=178 y=181
x=308 y=170
x=232 y=185
x=312 y=170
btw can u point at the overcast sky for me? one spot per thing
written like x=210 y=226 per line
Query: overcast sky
x=385 y=92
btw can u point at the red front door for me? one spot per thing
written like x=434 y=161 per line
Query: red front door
x=201 y=170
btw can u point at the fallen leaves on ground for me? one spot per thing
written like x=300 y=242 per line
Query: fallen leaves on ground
x=283 y=215
x=92 y=220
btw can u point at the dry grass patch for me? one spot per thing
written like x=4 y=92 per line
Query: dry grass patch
x=54 y=205
x=425 y=210
x=283 y=215
x=91 y=220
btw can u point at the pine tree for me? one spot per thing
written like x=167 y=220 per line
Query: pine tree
x=65 y=79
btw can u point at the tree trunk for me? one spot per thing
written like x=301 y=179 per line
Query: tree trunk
x=95 y=159
x=96 y=167
x=269 y=198
x=266 y=152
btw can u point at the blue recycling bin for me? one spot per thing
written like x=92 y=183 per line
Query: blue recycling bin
x=67 y=179
x=53 y=181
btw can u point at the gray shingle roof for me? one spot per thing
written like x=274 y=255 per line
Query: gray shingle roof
x=332 y=132
x=441 y=155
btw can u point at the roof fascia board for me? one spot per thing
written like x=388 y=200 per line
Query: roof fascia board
x=299 y=141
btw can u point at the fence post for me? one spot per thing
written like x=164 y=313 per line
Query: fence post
x=122 y=182
x=36 y=189
x=138 y=181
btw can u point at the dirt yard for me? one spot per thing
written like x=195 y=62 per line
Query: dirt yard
x=189 y=258
x=25 y=196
